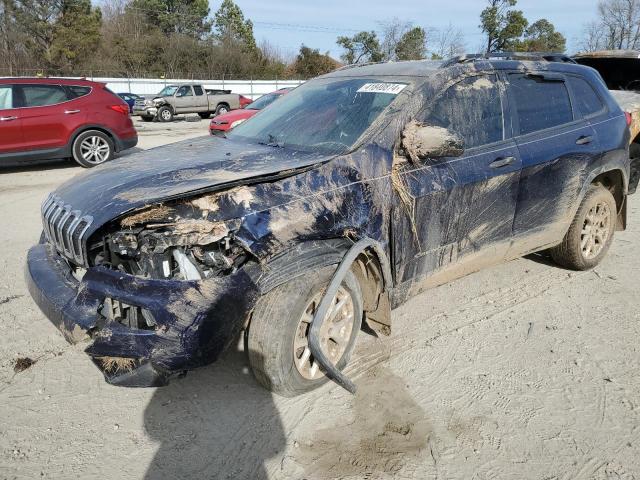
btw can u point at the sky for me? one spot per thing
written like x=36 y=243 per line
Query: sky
x=317 y=23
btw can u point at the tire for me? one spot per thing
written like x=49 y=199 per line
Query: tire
x=222 y=109
x=204 y=115
x=146 y=118
x=165 y=114
x=92 y=148
x=591 y=232
x=277 y=325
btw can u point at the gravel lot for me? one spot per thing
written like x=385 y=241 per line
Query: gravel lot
x=521 y=371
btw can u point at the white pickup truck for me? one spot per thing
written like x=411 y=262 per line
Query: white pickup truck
x=187 y=98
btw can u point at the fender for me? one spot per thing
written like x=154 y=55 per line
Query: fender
x=91 y=126
x=311 y=255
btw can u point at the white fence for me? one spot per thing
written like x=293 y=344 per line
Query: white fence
x=148 y=86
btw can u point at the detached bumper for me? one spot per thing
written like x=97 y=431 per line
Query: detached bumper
x=195 y=321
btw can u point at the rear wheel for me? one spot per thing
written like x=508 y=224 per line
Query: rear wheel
x=92 y=148
x=277 y=339
x=591 y=232
x=222 y=109
x=165 y=114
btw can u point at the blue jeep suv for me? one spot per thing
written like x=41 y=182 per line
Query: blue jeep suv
x=313 y=219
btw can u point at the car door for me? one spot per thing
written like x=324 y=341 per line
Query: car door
x=463 y=207
x=183 y=100
x=11 y=136
x=47 y=115
x=555 y=144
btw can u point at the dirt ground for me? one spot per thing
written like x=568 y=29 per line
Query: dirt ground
x=521 y=371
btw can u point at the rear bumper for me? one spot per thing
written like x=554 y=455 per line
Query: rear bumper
x=195 y=321
x=126 y=143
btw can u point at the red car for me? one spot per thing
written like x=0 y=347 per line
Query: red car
x=223 y=123
x=50 y=118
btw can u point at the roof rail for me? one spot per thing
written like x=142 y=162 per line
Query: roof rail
x=530 y=56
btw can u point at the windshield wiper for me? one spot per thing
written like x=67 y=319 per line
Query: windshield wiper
x=272 y=141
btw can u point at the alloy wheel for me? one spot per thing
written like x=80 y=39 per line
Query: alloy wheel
x=95 y=149
x=595 y=230
x=334 y=335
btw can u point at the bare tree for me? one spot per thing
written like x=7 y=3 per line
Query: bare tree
x=617 y=26
x=448 y=42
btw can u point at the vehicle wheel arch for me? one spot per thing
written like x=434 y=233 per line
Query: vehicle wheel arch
x=371 y=268
x=85 y=128
x=223 y=104
x=613 y=180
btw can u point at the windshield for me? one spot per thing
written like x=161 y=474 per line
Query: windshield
x=325 y=115
x=168 y=91
x=263 y=101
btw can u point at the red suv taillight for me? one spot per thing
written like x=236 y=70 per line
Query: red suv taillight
x=629 y=118
x=124 y=109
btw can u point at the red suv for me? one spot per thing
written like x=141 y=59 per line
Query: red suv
x=49 y=118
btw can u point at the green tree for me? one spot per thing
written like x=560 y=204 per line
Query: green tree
x=35 y=20
x=541 y=36
x=76 y=34
x=502 y=25
x=412 y=45
x=230 y=25
x=310 y=63
x=362 y=47
x=185 y=17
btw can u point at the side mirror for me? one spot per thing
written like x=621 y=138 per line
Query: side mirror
x=422 y=141
x=179 y=94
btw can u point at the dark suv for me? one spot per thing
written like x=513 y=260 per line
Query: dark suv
x=317 y=216
x=51 y=118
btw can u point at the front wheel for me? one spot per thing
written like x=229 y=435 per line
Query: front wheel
x=165 y=114
x=92 y=148
x=277 y=339
x=222 y=109
x=591 y=232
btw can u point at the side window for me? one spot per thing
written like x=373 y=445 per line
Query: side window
x=184 y=91
x=43 y=95
x=6 y=97
x=540 y=103
x=471 y=108
x=198 y=90
x=75 y=91
x=587 y=100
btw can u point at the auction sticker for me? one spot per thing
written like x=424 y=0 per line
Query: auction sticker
x=392 y=88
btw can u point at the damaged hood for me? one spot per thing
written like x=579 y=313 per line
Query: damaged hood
x=177 y=170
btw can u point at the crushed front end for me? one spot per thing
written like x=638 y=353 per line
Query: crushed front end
x=153 y=294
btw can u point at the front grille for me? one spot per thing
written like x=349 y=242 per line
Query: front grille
x=65 y=228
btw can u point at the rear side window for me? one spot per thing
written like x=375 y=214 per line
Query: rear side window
x=6 y=97
x=76 y=91
x=198 y=90
x=540 y=103
x=43 y=95
x=471 y=108
x=587 y=100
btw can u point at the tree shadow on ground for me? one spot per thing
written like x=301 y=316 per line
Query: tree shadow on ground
x=216 y=423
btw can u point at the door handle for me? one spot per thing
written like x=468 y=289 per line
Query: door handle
x=584 y=140
x=502 y=162
x=7 y=119
x=69 y=112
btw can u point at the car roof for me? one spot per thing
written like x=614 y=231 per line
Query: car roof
x=47 y=80
x=428 y=68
